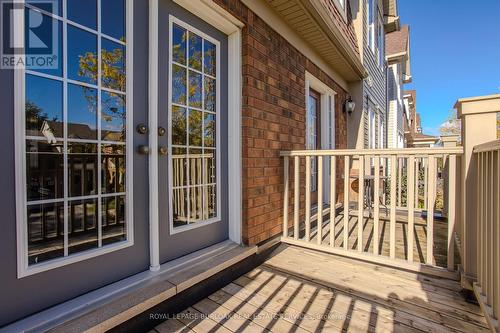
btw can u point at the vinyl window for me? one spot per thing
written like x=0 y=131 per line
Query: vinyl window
x=73 y=138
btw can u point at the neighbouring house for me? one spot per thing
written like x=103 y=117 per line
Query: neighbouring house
x=399 y=72
x=158 y=134
x=372 y=19
x=414 y=136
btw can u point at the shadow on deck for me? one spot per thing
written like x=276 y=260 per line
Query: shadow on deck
x=302 y=290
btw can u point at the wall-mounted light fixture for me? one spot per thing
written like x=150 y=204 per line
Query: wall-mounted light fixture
x=349 y=105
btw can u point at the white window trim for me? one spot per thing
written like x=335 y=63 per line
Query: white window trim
x=23 y=269
x=217 y=218
x=326 y=92
x=371 y=26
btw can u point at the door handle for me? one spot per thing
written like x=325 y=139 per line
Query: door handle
x=143 y=150
x=163 y=150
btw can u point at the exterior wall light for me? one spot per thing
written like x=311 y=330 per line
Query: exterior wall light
x=349 y=105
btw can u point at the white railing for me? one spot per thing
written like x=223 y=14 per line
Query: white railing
x=487 y=287
x=402 y=183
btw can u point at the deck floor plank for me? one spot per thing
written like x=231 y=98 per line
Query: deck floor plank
x=302 y=290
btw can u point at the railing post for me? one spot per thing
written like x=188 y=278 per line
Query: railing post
x=296 y=197
x=361 y=203
x=333 y=195
x=346 y=202
x=308 y=199
x=478 y=119
x=392 y=229
x=452 y=177
x=319 y=221
x=411 y=205
x=376 y=208
x=431 y=197
x=285 y=198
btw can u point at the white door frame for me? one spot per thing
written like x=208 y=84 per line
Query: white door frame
x=326 y=93
x=225 y=22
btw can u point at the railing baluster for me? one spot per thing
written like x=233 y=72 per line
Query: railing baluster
x=483 y=224
x=417 y=176
x=430 y=210
x=319 y=222
x=425 y=181
x=392 y=231
x=490 y=240
x=361 y=203
x=308 y=199
x=452 y=177
x=376 y=208
x=346 y=202
x=496 y=233
x=400 y=173
x=296 y=198
x=479 y=212
x=333 y=195
x=411 y=207
x=285 y=198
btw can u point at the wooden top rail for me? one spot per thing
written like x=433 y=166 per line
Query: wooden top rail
x=377 y=152
x=488 y=146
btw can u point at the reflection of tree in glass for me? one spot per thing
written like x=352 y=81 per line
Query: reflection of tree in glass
x=179 y=48
x=195 y=51
x=209 y=132
x=113 y=76
x=178 y=126
x=195 y=128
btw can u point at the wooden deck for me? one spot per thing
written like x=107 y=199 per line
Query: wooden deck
x=301 y=290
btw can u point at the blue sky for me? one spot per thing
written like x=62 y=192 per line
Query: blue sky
x=455 y=53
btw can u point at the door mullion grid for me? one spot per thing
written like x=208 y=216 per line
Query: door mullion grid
x=65 y=127
x=99 y=137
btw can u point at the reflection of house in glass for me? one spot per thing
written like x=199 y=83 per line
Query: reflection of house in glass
x=45 y=191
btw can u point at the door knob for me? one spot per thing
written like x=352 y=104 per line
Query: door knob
x=143 y=150
x=142 y=128
x=163 y=150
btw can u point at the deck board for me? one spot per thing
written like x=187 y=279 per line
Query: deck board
x=302 y=290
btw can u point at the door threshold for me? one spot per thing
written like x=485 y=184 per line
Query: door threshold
x=109 y=306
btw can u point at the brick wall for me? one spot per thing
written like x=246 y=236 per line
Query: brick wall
x=273 y=119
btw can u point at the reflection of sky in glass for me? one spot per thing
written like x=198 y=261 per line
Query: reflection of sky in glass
x=113 y=116
x=83 y=12
x=82 y=44
x=45 y=32
x=179 y=45
x=194 y=51
x=114 y=23
x=194 y=89
x=43 y=102
x=82 y=110
x=113 y=65
x=209 y=57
